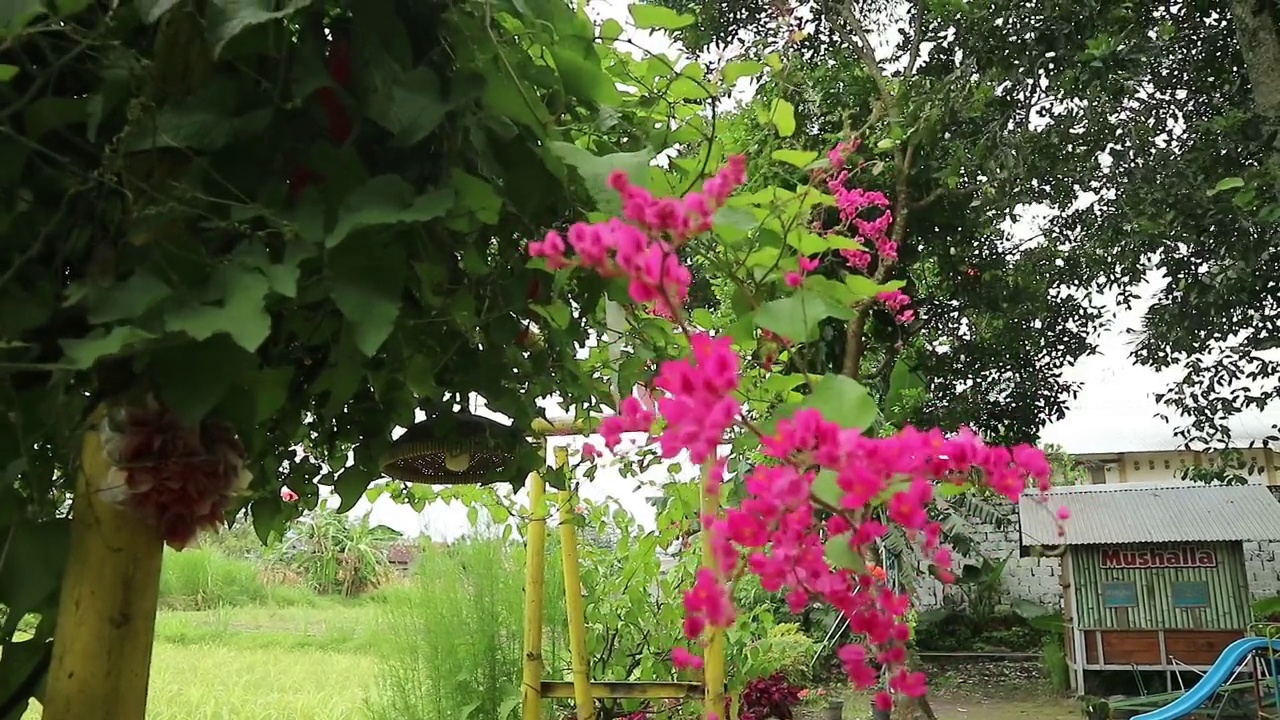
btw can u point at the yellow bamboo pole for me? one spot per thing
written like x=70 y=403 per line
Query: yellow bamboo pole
x=713 y=670
x=579 y=663
x=534 y=590
x=107 y=610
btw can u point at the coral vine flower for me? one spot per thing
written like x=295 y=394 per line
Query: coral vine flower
x=774 y=531
x=288 y=495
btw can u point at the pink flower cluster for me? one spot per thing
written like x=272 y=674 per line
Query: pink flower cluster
x=899 y=304
x=644 y=249
x=809 y=522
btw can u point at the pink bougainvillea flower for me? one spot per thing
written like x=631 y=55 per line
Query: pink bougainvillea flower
x=775 y=531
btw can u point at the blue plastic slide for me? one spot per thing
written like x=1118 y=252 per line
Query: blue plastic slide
x=1219 y=674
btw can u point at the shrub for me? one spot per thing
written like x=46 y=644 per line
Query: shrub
x=769 y=697
x=453 y=636
x=336 y=555
x=1054 y=660
x=787 y=650
x=203 y=579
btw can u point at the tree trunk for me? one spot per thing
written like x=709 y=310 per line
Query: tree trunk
x=1258 y=33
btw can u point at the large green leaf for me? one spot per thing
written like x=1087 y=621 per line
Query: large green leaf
x=194 y=377
x=228 y=18
x=412 y=107
x=239 y=309
x=583 y=78
x=366 y=284
x=151 y=10
x=82 y=353
x=387 y=200
x=796 y=316
x=595 y=170
x=656 y=17
x=843 y=401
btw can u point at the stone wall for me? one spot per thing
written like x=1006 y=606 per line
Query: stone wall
x=1037 y=579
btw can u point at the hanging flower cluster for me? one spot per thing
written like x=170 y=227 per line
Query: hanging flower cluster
x=180 y=479
x=776 y=532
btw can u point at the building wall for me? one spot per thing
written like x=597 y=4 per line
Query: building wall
x=1037 y=579
x=1225 y=586
x=1145 y=467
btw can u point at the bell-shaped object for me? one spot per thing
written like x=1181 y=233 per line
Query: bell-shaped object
x=454 y=449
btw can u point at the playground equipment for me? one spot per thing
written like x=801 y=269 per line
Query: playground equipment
x=467 y=449
x=1220 y=694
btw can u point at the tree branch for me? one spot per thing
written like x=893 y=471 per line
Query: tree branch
x=917 y=34
x=860 y=43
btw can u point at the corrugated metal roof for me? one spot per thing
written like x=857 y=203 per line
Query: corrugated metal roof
x=1148 y=513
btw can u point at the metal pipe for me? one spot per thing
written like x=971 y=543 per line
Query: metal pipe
x=534 y=588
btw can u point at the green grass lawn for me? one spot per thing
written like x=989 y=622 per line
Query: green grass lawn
x=259 y=663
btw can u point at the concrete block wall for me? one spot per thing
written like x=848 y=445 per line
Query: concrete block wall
x=1038 y=579
x=1035 y=579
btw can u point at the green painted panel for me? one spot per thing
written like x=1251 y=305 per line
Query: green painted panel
x=1175 y=587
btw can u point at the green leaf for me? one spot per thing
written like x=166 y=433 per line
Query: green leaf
x=826 y=488
x=782 y=115
x=151 y=10
x=476 y=204
x=862 y=286
x=83 y=353
x=583 y=78
x=8 y=72
x=240 y=313
x=611 y=30
x=798 y=158
x=901 y=381
x=596 y=170
x=656 y=17
x=366 y=284
x=31 y=574
x=271 y=391
x=1224 y=184
x=17 y=14
x=228 y=18
x=412 y=107
x=127 y=300
x=268 y=514
x=738 y=69
x=843 y=401
x=387 y=200
x=194 y=377
x=203 y=122
x=840 y=553
x=351 y=484
x=796 y=316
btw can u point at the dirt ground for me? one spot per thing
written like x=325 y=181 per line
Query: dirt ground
x=986 y=691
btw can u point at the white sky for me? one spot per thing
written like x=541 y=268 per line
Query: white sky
x=1114 y=411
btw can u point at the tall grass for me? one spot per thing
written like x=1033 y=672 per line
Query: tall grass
x=203 y=579
x=453 y=635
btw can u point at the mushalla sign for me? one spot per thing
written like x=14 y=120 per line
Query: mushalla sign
x=1187 y=556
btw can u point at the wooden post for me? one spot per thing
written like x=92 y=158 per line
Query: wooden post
x=579 y=662
x=534 y=589
x=713 y=659
x=107 y=610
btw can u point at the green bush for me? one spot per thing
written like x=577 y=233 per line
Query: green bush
x=1054 y=660
x=453 y=636
x=787 y=650
x=335 y=554
x=203 y=579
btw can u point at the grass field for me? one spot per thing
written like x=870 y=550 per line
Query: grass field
x=262 y=663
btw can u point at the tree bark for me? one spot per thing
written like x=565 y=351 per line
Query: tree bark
x=1258 y=32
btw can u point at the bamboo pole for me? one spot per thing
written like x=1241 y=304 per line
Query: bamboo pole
x=579 y=662
x=107 y=610
x=713 y=669
x=534 y=590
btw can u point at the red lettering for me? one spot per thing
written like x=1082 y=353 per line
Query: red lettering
x=1111 y=558
x=1207 y=558
x=1186 y=556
